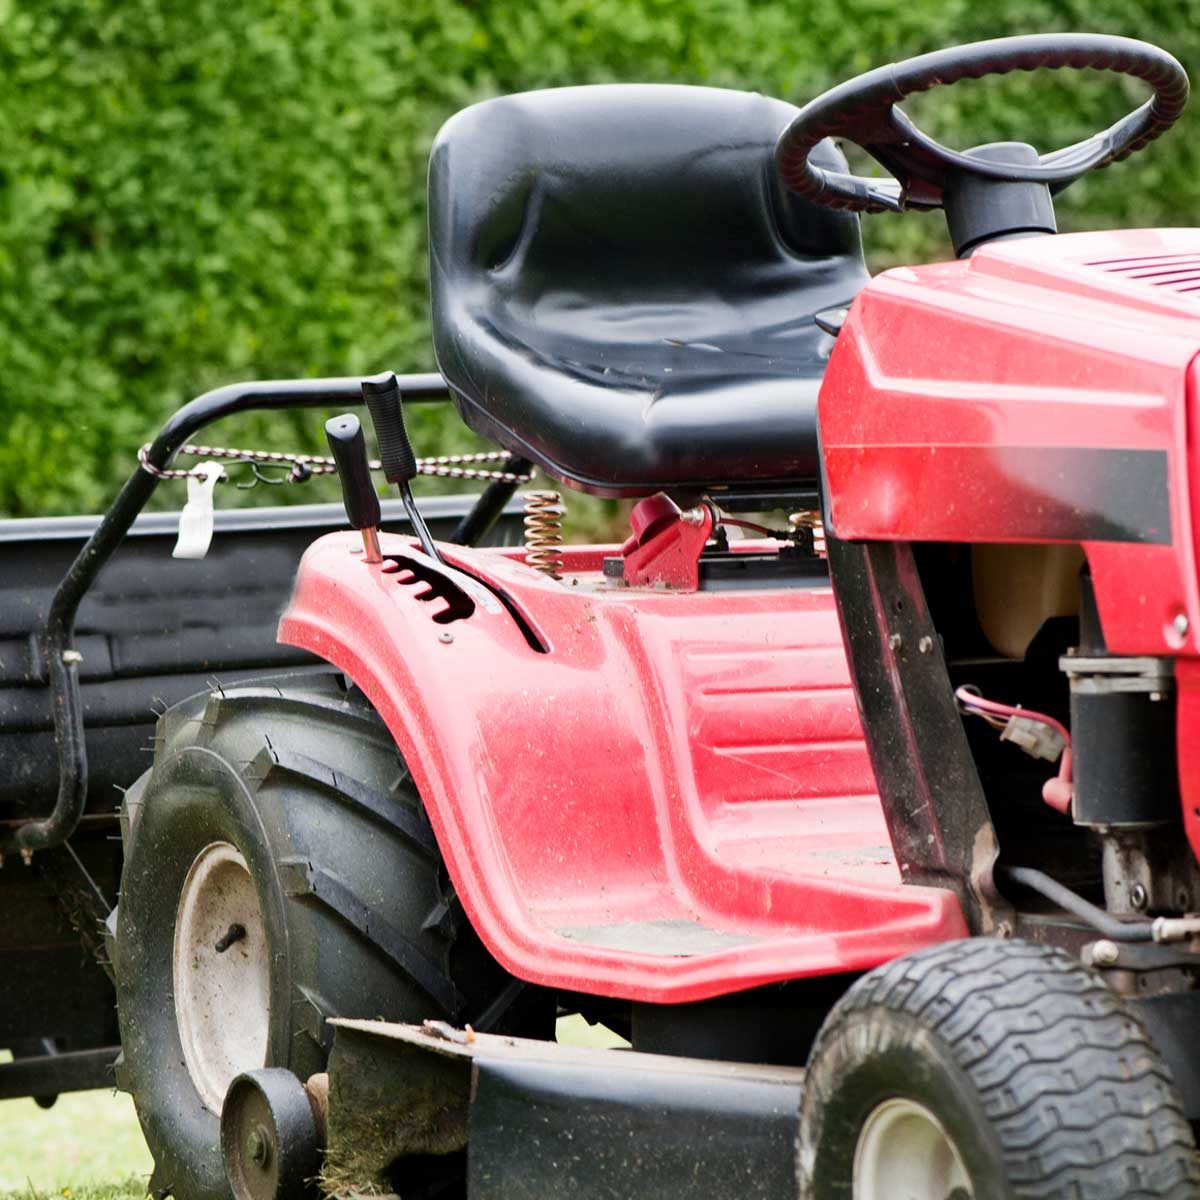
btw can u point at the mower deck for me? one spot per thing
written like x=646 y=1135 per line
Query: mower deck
x=693 y=765
x=544 y=1119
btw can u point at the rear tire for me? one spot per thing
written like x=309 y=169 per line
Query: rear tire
x=280 y=871
x=990 y=1070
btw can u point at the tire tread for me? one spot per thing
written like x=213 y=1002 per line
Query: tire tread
x=400 y=819
x=1077 y=1094
x=321 y=770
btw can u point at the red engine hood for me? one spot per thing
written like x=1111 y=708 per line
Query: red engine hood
x=1037 y=392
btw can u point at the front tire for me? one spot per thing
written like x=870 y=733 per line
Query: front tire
x=989 y=1070
x=279 y=871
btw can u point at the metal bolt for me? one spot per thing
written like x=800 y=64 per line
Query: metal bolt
x=71 y=656
x=1105 y=953
x=446 y=637
x=258 y=1146
x=235 y=933
x=895 y=642
x=925 y=645
x=1138 y=896
x=1181 y=625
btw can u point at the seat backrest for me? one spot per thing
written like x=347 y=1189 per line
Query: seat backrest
x=591 y=231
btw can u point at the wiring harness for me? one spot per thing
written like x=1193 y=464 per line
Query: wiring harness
x=1038 y=734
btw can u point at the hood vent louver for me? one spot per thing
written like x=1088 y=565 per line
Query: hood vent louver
x=1174 y=272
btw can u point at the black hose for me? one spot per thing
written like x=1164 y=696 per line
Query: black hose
x=1104 y=923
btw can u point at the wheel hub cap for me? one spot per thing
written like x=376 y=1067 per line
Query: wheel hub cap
x=904 y=1153
x=221 y=972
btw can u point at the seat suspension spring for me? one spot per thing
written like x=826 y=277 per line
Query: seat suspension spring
x=544 y=513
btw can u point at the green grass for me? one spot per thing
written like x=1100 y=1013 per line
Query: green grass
x=87 y=1147
x=575 y=1031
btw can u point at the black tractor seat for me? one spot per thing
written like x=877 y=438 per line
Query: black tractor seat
x=624 y=293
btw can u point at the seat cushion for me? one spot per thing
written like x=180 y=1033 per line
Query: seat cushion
x=623 y=292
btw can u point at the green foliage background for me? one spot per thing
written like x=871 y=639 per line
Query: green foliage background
x=196 y=193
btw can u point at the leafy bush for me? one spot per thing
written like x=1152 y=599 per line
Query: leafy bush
x=191 y=194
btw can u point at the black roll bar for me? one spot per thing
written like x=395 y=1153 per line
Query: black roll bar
x=62 y=659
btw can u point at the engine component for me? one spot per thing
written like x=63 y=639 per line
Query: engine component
x=1039 y=735
x=1104 y=923
x=1035 y=737
x=1123 y=726
x=1122 y=715
x=1123 y=730
x=1149 y=870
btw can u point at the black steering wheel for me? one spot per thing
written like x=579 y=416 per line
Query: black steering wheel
x=864 y=110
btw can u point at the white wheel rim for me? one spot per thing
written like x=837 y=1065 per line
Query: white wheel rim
x=904 y=1153
x=222 y=998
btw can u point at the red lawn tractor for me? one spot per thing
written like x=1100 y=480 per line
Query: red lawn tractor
x=856 y=789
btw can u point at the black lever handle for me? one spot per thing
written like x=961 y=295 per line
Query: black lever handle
x=382 y=395
x=349 y=450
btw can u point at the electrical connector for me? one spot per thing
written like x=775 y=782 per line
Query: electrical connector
x=1035 y=737
x=1036 y=733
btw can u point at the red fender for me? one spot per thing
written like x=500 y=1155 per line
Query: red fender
x=639 y=794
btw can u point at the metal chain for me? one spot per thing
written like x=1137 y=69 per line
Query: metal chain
x=305 y=465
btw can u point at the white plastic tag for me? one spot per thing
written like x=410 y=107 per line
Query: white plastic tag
x=196 y=520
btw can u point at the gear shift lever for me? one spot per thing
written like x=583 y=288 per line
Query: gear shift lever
x=382 y=396
x=349 y=450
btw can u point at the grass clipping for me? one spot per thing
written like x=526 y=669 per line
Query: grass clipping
x=390 y=1101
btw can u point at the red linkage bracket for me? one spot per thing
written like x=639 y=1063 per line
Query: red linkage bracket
x=664 y=549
